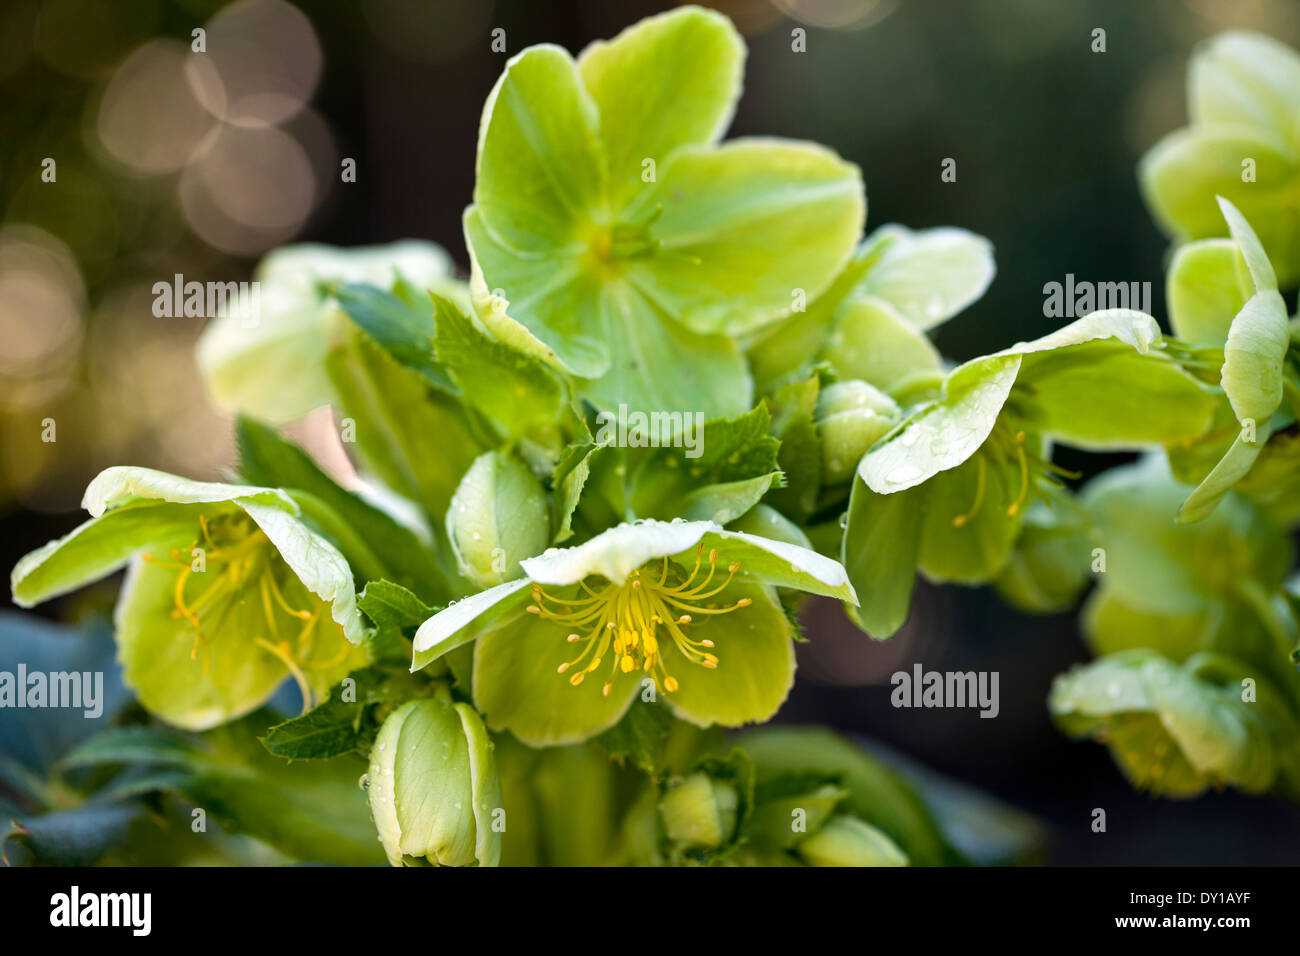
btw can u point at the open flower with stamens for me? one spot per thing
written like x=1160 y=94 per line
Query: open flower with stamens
x=680 y=611
x=945 y=491
x=227 y=595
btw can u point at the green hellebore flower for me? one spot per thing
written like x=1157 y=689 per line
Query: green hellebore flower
x=1178 y=730
x=947 y=489
x=497 y=517
x=267 y=358
x=1186 y=588
x=851 y=416
x=227 y=594
x=844 y=840
x=1243 y=143
x=686 y=609
x=1223 y=295
x=433 y=786
x=611 y=233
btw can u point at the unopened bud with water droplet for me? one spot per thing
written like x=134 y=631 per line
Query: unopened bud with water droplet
x=851 y=416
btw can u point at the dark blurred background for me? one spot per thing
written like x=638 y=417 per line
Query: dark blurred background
x=168 y=161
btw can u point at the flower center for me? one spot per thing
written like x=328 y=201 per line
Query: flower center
x=632 y=619
x=244 y=562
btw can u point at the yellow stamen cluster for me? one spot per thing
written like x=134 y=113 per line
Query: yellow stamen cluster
x=246 y=559
x=630 y=620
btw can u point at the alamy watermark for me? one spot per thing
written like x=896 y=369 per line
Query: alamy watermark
x=78 y=690
x=956 y=689
x=652 y=430
x=207 y=300
x=1071 y=299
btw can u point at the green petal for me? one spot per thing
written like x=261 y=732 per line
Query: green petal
x=1229 y=470
x=1204 y=291
x=881 y=542
x=550 y=295
x=1243 y=77
x=616 y=553
x=267 y=359
x=99 y=547
x=462 y=621
x=133 y=510
x=232 y=674
x=1097 y=383
x=316 y=563
x=657 y=364
x=930 y=275
x=517 y=687
x=416 y=440
x=1111 y=625
x=1159 y=566
x=1178 y=730
x=1261 y=271
x=1183 y=173
x=946 y=432
x=755 y=663
x=743 y=227
x=1252 y=358
x=667 y=81
x=873 y=341
x=973 y=551
x=1048 y=567
x=540 y=176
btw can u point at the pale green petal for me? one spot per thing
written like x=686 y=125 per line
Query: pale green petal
x=1100 y=383
x=115 y=485
x=873 y=341
x=1231 y=468
x=755 y=663
x=1204 y=291
x=99 y=547
x=882 y=539
x=1183 y=173
x=1252 y=358
x=743 y=227
x=961 y=542
x=540 y=176
x=154 y=647
x=462 y=621
x=1243 y=77
x=517 y=687
x=658 y=364
x=930 y=275
x=948 y=431
x=666 y=81
x=616 y=553
x=266 y=357
x=1261 y=271
x=316 y=563
x=549 y=295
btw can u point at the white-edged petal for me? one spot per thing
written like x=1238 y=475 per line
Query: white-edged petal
x=112 y=485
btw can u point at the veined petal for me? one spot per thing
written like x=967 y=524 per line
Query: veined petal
x=113 y=486
x=745 y=225
x=540 y=175
x=667 y=81
x=929 y=275
x=755 y=670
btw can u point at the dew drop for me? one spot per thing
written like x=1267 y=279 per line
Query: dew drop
x=903 y=473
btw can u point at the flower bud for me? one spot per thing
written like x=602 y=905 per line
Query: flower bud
x=699 y=812
x=847 y=841
x=851 y=416
x=433 y=786
x=497 y=516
